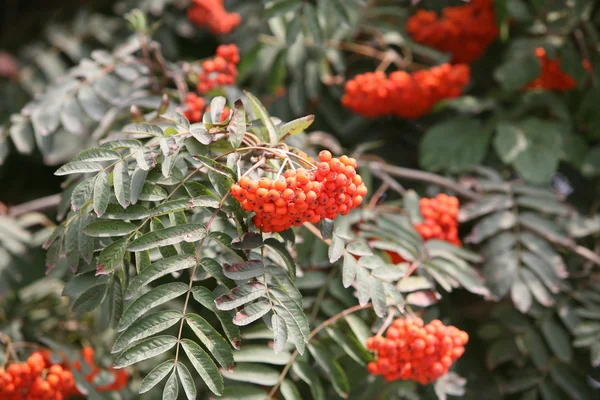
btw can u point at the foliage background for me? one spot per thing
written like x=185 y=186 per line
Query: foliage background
x=561 y=161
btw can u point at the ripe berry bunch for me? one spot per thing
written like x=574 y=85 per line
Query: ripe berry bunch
x=416 y=352
x=194 y=107
x=552 y=76
x=406 y=95
x=220 y=70
x=464 y=31
x=332 y=188
x=38 y=378
x=440 y=216
x=212 y=15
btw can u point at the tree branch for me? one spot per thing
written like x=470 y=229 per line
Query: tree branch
x=40 y=204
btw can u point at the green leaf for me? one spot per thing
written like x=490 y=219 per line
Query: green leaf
x=176 y=118
x=500 y=272
x=90 y=299
x=336 y=249
x=122 y=182
x=187 y=381
x=533 y=147
x=147 y=301
x=591 y=163
x=224 y=240
x=111 y=257
x=359 y=248
x=150 y=130
x=517 y=72
x=204 y=365
x=310 y=377
x=216 y=167
x=486 y=205
x=574 y=385
x=261 y=354
x=281 y=7
x=289 y=391
x=348 y=270
x=491 y=225
x=78 y=167
x=251 y=312
x=280 y=334
x=158 y=269
x=454 y=144
x=237 y=125
x=311 y=20
x=295 y=127
x=285 y=255
x=411 y=205
x=156 y=375
x=211 y=339
x=171 y=390
x=521 y=296
x=557 y=338
x=101 y=193
x=294 y=317
x=145 y=327
x=263 y=115
x=91 y=103
x=138 y=178
x=108 y=228
x=211 y=266
x=501 y=351
x=258 y=374
x=97 y=154
x=241 y=295
x=350 y=344
x=122 y=144
x=82 y=193
x=144 y=350
x=243 y=271
x=205 y=297
x=536 y=287
x=167 y=236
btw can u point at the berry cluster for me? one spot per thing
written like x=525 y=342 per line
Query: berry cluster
x=332 y=188
x=464 y=31
x=440 y=216
x=220 y=70
x=406 y=95
x=416 y=352
x=552 y=76
x=38 y=378
x=212 y=15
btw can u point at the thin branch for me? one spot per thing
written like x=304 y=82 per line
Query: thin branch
x=40 y=204
x=417 y=175
x=377 y=195
x=312 y=334
x=385 y=177
x=313 y=229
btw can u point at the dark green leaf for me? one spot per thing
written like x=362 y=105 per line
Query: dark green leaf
x=108 y=228
x=145 y=327
x=204 y=365
x=167 y=236
x=144 y=350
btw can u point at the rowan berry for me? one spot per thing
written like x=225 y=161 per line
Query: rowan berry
x=212 y=15
x=552 y=76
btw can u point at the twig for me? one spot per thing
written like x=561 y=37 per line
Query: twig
x=312 y=334
x=384 y=176
x=377 y=195
x=386 y=324
x=579 y=39
x=416 y=175
x=40 y=204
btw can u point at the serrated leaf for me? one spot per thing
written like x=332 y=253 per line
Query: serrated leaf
x=101 y=193
x=310 y=377
x=122 y=182
x=211 y=266
x=168 y=236
x=82 y=193
x=144 y=350
x=285 y=255
x=281 y=7
x=204 y=366
x=211 y=339
x=90 y=299
x=122 y=144
x=573 y=384
x=243 y=270
x=145 y=327
x=258 y=374
x=280 y=334
x=158 y=269
x=176 y=118
x=491 y=225
x=156 y=375
x=296 y=126
x=108 y=228
x=137 y=183
x=91 y=103
x=348 y=270
x=247 y=241
x=251 y=312
x=264 y=116
x=187 y=381
x=111 y=257
x=486 y=205
x=536 y=287
x=205 y=297
x=521 y=296
x=336 y=249
x=241 y=295
x=333 y=370
x=97 y=154
x=147 y=301
x=216 y=167
x=171 y=389
x=557 y=338
x=350 y=344
x=326 y=228
x=143 y=128
x=378 y=298
x=359 y=248
x=78 y=167
x=237 y=125
x=289 y=391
